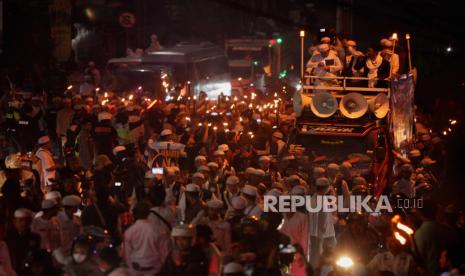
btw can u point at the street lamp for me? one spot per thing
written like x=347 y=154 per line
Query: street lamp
x=302 y=37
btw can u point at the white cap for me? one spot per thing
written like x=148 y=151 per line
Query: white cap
x=259 y=172
x=319 y=170
x=322 y=182
x=346 y=165
x=104 y=116
x=323 y=47
x=292 y=179
x=200 y=157
x=215 y=204
x=414 y=153
x=13 y=161
x=238 y=202
x=199 y=175
x=359 y=180
x=223 y=147
x=23 y=213
x=298 y=190
x=71 y=200
x=43 y=140
x=53 y=195
x=203 y=168
x=232 y=180
x=118 y=149
x=133 y=119
x=149 y=175
x=264 y=159
x=166 y=132
x=48 y=204
x=183 y=230
x=274 y=192
x=192 y=188
x=213 y=164
x=427 y=161
x=325 y=39
x=278 y=134
x=250 y=170
x=333 y=167
x=233 y=267
x=351 y=43
x=218 y=153
x=249 y=190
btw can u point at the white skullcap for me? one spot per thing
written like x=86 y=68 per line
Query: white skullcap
x=13 y=161
x=118 y=149
x=223 y=147
x=149 y=175
x=232 y=180
x=264 y=159
x=298 y=190
x=322 y=182
x=183 y=230
x=414 y=153
x=71 y=200
x=359 y=180
x=323 y=47
x=48 y=204
x=23 y=213
x=192 y=188
x=351 y=43
x=325 y=39
x=292 y=178
x=198 y=175
x=333 y=167
x=233 y=267
x=259 y=172
x=43 y=140
x=203 y=168
x=274 y=192
x=218 y=153
x=166 y=132
x=388 y=43
x=104 y=116
x=133 y=119
x=250 y=170
x=427 y=161
x=215 y=204
x=213 y=164
x=200 y=157
x=239 y=202
x=249 y=190
x=319 y=170
x=383 y=41
x=346 y=165
x=53 y=195
x=278 y=134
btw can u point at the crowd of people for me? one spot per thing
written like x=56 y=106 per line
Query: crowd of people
x=96 y=183
x=340 y=57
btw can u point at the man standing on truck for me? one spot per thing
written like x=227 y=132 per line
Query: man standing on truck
x=324 y=64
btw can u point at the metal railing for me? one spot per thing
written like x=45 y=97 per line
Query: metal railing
x=341 y=84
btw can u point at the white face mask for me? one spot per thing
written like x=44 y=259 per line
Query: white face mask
x=79 y=258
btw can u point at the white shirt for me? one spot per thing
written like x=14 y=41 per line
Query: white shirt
x=69 y=229
x=45 y=162
x=312 y=65
x=49 y=231
x=399 y=264
x=143 y=246
x=296 y=228
x=321 y=223
x=161 y=230
x=253 y=210
x=5 y=261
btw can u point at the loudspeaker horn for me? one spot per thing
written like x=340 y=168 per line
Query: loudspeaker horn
x=379 y=105
x=300 y=101
x=323 y=104
x=353 y=105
